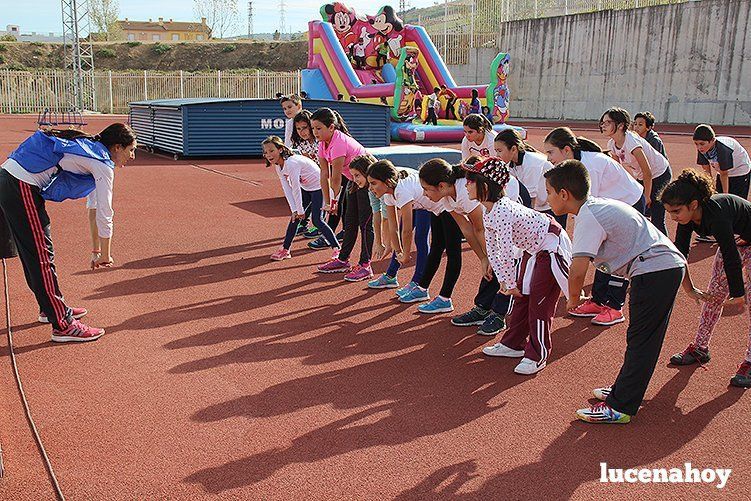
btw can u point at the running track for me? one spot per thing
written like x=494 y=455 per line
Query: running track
x=225 y=375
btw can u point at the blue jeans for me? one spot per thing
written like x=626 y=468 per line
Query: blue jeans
x=656 y=212
x=316 y=202
x=421 y=222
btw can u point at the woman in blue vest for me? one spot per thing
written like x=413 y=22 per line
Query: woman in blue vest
x=57 y=165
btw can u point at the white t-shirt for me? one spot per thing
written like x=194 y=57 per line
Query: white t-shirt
x=609 y=180
x=409 y=189
x=104 y=177
x=531 y=173
x=658 y=164
x=299 y=172
x=288 y=127
x=462 y=204
x=484 y=149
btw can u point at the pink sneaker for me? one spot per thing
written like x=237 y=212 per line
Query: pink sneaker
x=76 y=312
x=608 y=316
x=281 y=255
x=359 y=272
x=335 y=265
x=77 y=332
x=587 y=309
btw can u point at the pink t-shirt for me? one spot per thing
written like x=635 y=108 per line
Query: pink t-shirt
x=341 y=145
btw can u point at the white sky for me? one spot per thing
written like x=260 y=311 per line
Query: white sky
x=45 y=16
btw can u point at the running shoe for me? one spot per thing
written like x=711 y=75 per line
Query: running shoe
x=492 y=325
x=528 y=367
x=475 y=316
x=76 y=332
x=437 y=305
x=359 y=272
x=602 y=413
x=501 y=350
x=301 y=229
x=404 y=290
x=691 y=355
x=281 y=254
x=319 y=243
x=384 y=282
x=608 y=316
x=587 y=309
x=415 y=295
x=312 y=232
x=335 y=265
x=76 y=313
x=602 y=393
x=742 y=378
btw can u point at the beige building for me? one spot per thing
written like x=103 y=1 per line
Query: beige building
x=165 y=31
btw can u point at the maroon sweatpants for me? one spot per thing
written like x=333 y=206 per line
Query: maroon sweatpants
x=529 y=323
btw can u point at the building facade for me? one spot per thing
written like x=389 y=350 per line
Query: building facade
x=165 y=31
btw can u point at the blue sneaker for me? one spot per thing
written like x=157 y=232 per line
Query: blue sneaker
x=318 y=243
x=312 y=232
x=415 y=295
x=402 y=291
x=384 y=282
x=437 y=305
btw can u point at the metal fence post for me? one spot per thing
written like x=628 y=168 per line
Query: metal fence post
x=219 y=82
x=258 y=83
x=145 y=87
x=182 y=91
x=112 y=99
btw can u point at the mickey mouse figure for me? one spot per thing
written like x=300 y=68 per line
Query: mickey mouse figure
x=386 y=22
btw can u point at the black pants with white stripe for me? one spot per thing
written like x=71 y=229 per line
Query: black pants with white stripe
x=29 y=224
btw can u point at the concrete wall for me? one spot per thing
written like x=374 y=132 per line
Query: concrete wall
x=687 y=63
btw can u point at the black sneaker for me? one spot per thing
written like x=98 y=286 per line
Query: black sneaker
x=475 y=316
x=742 y=378
x=691 y=355
x=318 y=243
x=301 y=229
x=340 y=236
x=313 y=232
x=492 y=325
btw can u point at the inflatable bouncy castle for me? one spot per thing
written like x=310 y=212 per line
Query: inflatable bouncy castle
x=380 y=59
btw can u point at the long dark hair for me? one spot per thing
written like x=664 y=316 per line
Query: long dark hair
x=619 y=116
x=510 y=137
x=487 y=190
x=278 y=143
x=438 y=170
x=116 y=133
x=362 y=165
x=329 y=117
x=689 y=186
x=478 y=122
x=387 y=173
x=563 y=136
x=302 y=116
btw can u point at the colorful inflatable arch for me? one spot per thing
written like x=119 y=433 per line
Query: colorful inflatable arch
x=380 y=59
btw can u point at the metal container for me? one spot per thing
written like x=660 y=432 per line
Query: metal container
x=235 y=127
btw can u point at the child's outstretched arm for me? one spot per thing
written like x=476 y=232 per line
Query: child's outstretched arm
x=577 y=272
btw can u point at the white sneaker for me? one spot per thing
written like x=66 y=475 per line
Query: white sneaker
x=528 y=366
x=601 y=393
x=501 y=350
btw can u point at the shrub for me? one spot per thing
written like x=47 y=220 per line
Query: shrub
x=36 y=44
x=2 y=59
x=17 y=67
x=229 y=48
x=105 y=53
x=161 y=48
x=3 y=47
x=133 y=44
x=7 y=38
x=37 y=52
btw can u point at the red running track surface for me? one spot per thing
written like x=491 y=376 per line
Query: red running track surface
x=223 y=374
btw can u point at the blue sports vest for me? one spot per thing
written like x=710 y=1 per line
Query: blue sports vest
x=41 y=152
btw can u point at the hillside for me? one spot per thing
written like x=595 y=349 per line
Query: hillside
x=272 y=56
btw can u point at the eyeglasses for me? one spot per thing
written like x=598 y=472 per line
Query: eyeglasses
x=606 y=122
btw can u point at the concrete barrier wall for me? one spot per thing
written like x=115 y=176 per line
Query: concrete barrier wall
x=687 y=63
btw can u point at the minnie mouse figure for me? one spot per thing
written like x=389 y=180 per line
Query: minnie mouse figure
x=386 y=22
x=342 y=19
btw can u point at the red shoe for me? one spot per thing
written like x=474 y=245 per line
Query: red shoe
x=608 y=316
x=77 y=332
x=587 y=309
x=281 y=254
x=76 y=312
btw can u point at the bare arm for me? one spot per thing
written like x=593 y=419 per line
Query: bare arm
x=577 y=272
x=646 y=173
x=325 y=186
x=725 y=181
x=336 y=175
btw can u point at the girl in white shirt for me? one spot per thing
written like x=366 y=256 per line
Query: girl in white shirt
x=297 y=174
x=407 y=208
x=478 y=137
x=54 y=166
x=528 y=166
x=510 y=226
x=607 y=180
x=640 y=159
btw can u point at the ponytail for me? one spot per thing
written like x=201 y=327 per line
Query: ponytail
x=329 y=117
x=437 y=170
x=689 y=186
x=510 y=137
x=478 y=122
x=387 y=173
x=116 y=133
x=563 y=136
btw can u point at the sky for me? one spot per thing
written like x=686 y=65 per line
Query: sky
x=43 y=16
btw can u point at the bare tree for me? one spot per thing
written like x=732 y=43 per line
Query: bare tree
x=104 y=14
x=221 y=15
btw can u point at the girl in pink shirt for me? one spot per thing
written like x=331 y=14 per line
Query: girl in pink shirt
x=336 y=151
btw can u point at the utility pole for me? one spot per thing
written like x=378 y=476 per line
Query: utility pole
x=250 y=19
x=282 y=19
x=78 y=54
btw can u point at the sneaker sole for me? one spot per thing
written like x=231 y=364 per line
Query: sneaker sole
x=414 y=300
x=331 y=272
x=612 y=322
x=441 y=310
x=45 y=320
x=277 y=259
x=388 y=286
x=583 y=315
x=467 y=324
x=75 y=339
x=357 y=279
x=485 y=333
x=681 y=363
x=529 y=373
x=504 y=355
